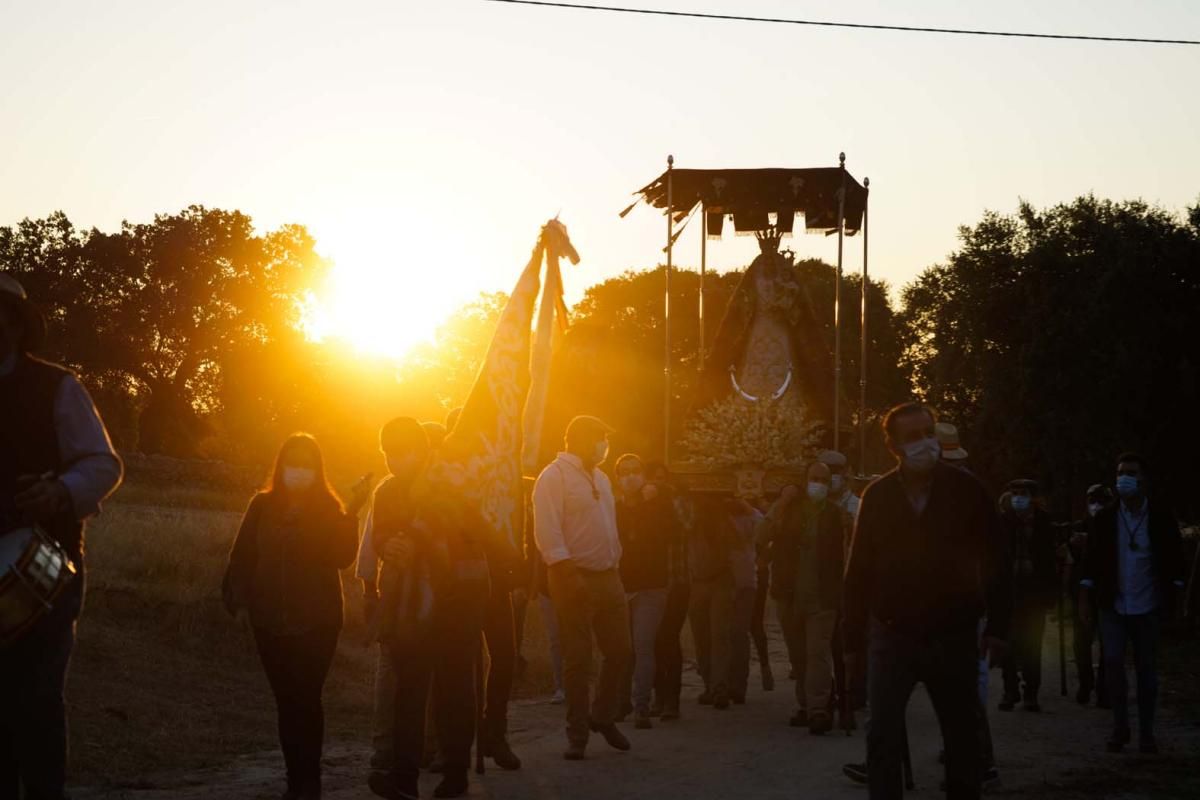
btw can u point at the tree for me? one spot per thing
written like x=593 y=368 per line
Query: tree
x=1057 y=338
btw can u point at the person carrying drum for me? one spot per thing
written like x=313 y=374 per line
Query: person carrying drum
x=57 y=466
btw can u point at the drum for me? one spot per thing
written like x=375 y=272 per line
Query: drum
x=34 y=571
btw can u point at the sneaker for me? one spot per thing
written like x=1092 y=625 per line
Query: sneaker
x=558 y=698
x=385 y=784
x=855 y=772
x=454 y=784
x=495 y=746
x=612 y=735
x=720 y=700
x=574 y=752
x=989 y=778
x=641 y=720
x=1116 y=743
x=799 y=719
x=1008 y=703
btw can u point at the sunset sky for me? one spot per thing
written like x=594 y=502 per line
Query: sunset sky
x=424 y=143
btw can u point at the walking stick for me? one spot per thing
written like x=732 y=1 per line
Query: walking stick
x=1062 y=647
x=479 y=700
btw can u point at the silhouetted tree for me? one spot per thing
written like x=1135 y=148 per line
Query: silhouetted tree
x=1055 y=338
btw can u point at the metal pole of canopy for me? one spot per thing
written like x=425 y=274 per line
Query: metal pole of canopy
x=667 y=315
x=837 y=310
x=862 y=356
x=703 y=269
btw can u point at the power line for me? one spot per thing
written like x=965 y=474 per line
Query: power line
x=858 y=25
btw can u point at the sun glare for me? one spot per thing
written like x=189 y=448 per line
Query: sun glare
x=378 y=302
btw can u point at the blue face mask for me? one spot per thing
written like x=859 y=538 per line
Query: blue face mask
x=1127 y=485
x=1020 y=503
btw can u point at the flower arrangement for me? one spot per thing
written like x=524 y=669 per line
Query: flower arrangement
x=768 y=434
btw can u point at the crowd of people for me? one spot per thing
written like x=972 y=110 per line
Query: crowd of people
x=923 y=578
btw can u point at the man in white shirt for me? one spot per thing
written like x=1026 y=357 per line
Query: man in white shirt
x=575 y=527
x=56 y=467
x=1133 y=570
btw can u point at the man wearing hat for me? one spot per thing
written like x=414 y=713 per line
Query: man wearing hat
x=1034 y=589
x=575 y=527
x=58 y=465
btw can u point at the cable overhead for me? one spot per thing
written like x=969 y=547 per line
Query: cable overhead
x=856 y=25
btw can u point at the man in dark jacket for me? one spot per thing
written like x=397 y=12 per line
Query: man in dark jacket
x=56 y=466
x=802 y=536
x=1030 y=539
x=924 y=567
x=1133 y=572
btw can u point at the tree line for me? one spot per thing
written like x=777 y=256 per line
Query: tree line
x=1051 y=337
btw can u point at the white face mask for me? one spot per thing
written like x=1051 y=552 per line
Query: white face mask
x=297 y=479
x=817 y=491
x=836 y=484
x=1094 y=509
x=601 y=452
x=922 y=455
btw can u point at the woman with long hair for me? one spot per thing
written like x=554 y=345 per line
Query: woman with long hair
x=284 y=572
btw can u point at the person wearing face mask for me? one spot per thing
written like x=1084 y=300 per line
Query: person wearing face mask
x=1091 y=673
x=1133 y=573
x=803 y=536
x=1034 y=589
x=284 y=572
x=645 y=523
x=926 y=563
x=575 y=528
x=57 y=467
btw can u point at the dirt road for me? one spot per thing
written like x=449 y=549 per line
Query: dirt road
x=749 y=751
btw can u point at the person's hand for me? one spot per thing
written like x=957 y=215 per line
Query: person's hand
x=399 y=551
x=360 y=493
x=44 y=498
x=649 y=492
x=994 y=649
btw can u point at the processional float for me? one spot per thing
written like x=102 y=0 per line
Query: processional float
x=768 y=383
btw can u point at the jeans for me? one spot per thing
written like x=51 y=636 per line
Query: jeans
x=550 y=621
x=947 y=663
x=296 y=667
x=594 y=604
x=646 y=610
x=668 y=652
x=1024 y=660
x=721 y=615
x=1142 y=631
x=33 y=723
x=1082 y=638
x=813 y=631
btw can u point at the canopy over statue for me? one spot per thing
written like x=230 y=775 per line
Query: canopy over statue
x=770 y=390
